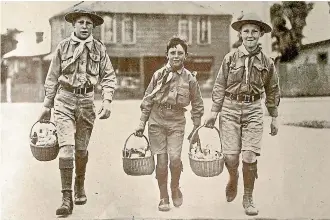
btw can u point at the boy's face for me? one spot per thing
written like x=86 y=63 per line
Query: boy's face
x=176 y=56
x=83 y=27
x=250 y=34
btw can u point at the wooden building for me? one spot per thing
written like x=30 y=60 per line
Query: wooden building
x=136 y=34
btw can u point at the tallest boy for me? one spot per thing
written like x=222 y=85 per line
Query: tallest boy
x=79 y=62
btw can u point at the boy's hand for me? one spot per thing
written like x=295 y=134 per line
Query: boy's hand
x=210 y=120
x=140 y=129
x=196 y=137
x=105 y=110
x=273 y=127
x=45 y=114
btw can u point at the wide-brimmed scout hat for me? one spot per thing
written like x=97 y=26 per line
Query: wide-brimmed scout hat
x=251 y=18
x=71 y=16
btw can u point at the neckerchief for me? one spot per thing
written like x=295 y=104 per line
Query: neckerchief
x=248 y=61
x=78 y=51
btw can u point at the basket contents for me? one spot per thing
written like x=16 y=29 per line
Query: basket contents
x=207 y=153
x=136 y=153
x=45 y=136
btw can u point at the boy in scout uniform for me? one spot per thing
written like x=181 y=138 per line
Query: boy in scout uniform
x=245 y=75
x=80 y=61
x=171 y=89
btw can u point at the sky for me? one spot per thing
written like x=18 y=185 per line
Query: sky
x=31 y=16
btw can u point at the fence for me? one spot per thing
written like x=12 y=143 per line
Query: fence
x=304 y=80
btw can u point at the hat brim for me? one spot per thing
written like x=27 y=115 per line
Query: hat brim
x=71 y=16
x=238 y=24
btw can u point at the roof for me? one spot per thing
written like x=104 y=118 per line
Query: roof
x=34 y=50
x=315 y=44
x=149 y=7
x=27 y=47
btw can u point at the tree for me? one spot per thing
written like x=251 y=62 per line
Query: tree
x=288 y=20
x=8 y=41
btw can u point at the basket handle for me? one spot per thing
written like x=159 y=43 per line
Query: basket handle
x=40 y=122
x=134 y=135
x=199 y=142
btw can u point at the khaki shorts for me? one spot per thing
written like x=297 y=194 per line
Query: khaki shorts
x=74 y=118
x=166 y=131
x=241 y=126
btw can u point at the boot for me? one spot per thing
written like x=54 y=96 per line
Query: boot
x=79 y=189
x=162 y=175
x=67 y=203
x=249 y=176
x=177 y=196
x=66 y=170
x=231 y=188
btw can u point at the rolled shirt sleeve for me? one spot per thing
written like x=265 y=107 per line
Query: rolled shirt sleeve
x=108 y=80
x=197 y=105
x=51 y=82
x=147 y=101
x=272 y=90
x=220 y=84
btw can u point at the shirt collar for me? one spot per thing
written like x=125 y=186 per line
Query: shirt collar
x=243 y=52
x=88 y=44
x=168 y=66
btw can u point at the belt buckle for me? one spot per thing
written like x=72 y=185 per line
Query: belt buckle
x=80 y=91
x=247 y=98
x=168 y=106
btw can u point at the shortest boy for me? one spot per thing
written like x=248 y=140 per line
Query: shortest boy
x=171 y=89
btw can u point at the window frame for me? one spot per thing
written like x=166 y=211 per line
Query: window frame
x=208 y=29
x=123 y=36
x=189 y=19
x=114 y=27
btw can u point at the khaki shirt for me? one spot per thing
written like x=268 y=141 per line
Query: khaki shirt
x=180 y=89
x=234 y=77
x=92 y=65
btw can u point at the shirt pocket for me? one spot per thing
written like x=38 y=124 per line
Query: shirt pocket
x=94 y=63
x=183 y=96
x=236 y=71
x=66 y=59
x=259 y=74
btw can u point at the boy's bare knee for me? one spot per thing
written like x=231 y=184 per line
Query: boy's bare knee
x=249 y=156
x=66 y=151
x=175 y=160
x=162 y=160
x=232 y=159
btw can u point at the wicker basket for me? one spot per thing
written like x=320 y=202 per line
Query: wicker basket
x=206 y=167
x=43 y=153
x=138 y=166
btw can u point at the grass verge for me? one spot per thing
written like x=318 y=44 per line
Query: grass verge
x=310 y=124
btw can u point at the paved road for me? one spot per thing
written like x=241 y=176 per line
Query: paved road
x=293 y=171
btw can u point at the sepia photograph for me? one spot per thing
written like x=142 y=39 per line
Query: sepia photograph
x=165 y=110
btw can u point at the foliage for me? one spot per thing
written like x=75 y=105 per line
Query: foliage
x=288 y=20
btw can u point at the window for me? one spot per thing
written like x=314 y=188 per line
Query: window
x=108 y=30
x=184 y=29
x=129 y=30
x=203 y=30
x=322 y=58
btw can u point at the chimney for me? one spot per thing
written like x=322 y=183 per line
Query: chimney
x=39 y=37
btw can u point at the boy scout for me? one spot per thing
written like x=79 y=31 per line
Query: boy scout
x=80 y=61
x=244 y=76
x=171 y=89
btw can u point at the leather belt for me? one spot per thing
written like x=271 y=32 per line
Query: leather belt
x=80 y=91
x=243 y=98
x=169 y=106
